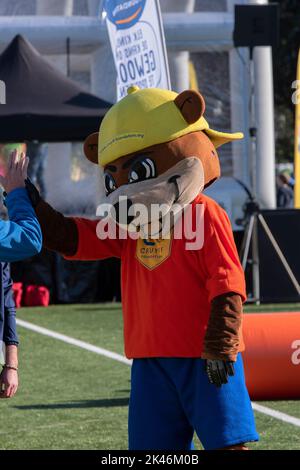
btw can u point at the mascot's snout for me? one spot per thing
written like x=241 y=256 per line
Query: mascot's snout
x=135 y=205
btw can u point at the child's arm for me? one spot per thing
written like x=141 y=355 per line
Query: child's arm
x=10 y=336
x=9 y=374
x=21 y=236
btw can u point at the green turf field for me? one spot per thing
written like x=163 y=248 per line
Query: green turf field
x=70 y=398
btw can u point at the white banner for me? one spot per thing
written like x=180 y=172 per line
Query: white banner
x=138 y=44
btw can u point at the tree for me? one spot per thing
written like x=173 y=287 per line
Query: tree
x=285 y=64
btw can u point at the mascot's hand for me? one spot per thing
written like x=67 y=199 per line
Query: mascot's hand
x=33 y=192
x=218 y=371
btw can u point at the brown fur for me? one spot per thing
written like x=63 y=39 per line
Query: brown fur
x=196 y=144
x=222 y=335
x=59 y=232
x=191 y=105
x=90 y=147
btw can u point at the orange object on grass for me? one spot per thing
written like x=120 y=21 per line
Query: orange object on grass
x=272 y=355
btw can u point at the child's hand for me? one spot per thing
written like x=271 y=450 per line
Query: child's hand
x=16 y=172
x=8 y=383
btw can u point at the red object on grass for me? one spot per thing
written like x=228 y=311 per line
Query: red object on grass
x=36 y=296
x=18 y=293
x=272 y=355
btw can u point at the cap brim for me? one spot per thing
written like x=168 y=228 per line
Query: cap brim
x=220 y=138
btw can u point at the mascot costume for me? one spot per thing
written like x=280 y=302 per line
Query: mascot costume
x=182 y=306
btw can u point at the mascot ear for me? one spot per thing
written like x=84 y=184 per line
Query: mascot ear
x=191 y=105
x=90 y=147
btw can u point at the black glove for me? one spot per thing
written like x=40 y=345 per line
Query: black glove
x=32 y=192
x=218 y=371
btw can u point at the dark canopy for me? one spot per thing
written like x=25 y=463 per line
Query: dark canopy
x=43 y=104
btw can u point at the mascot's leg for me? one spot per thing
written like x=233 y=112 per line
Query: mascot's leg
x=156 y=418
x=236 y=447
x=221 y=416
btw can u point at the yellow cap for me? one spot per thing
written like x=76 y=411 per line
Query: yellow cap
x=144 y=118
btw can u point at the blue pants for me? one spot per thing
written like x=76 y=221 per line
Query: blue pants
x=172 y=397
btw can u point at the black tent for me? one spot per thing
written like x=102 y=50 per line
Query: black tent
x=41 y=103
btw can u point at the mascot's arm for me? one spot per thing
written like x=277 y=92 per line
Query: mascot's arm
x=59 y=232
x=74 y=238
x=226 y=287
x=222 y=339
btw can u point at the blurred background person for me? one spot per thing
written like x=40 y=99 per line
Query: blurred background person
x=285 y=192
x=37 y=152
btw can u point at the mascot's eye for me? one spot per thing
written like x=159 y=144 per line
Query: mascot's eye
x=109 y=183
x=142 y=170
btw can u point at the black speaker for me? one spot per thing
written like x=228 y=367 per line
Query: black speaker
x=275 y=284
x=256 y=25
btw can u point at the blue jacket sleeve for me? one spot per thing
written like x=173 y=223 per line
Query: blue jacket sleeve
x=20 y=236
x=10 y=329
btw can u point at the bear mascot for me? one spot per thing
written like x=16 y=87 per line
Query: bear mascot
x=182 y=290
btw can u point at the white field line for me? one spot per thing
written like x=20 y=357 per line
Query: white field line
x=118 y=357
x=276 y=414
x=31 y=430
x=74 y=342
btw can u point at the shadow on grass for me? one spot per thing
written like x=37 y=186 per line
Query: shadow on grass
x=102 y=308
x=105 y=403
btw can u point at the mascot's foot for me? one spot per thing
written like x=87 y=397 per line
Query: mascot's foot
x=236 y=447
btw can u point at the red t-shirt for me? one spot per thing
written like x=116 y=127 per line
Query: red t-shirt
x=167 y=289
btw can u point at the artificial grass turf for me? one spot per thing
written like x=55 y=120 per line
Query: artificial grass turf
x=70 y=398
x=292 y=307
x=98 y=324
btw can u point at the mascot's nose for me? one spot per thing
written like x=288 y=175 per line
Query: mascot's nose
x=122 y=210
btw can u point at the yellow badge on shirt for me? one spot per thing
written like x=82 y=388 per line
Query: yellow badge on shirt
x=153 y=252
